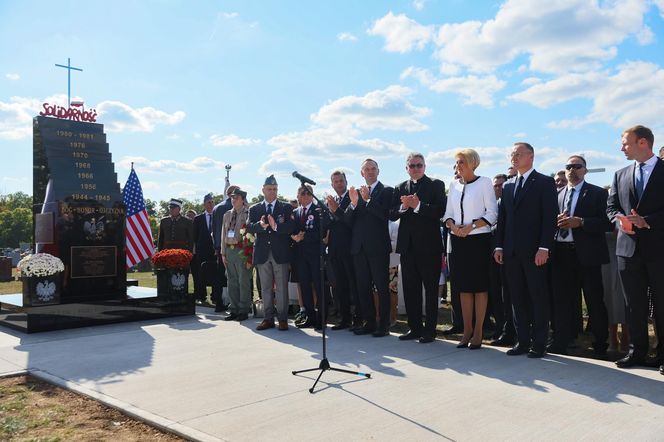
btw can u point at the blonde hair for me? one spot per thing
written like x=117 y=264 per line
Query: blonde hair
x=471 y=157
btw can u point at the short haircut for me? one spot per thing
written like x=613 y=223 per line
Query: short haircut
x=471 y=157
x=367 y=160
x=661 y=151
x=526 y=145
x=583 y=160
x=560 y=172
x=415 y=155
x=338 y=172
x=642 y=132
x=305 y=188
x=500 y=176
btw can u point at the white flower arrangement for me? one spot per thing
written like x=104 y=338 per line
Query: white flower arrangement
x=40 y=264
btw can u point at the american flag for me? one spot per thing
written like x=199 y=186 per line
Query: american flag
x=140 y=245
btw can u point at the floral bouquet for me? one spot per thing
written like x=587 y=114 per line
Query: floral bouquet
x=40 y=264
x=247 y=241
x=172 y=259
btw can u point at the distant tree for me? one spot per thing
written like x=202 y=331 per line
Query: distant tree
x=151 y=207
x=260 y=198
x=15 y=227
x=15 y=200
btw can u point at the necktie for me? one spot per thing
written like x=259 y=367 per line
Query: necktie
x=304 y=215
x=568 y=208
x=369 y=191
x=639 y=181
x=519 y=187
x=233 y=220
x=269 y=209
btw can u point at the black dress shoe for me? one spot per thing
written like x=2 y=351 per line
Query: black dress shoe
x=502 y=341
x=220 y=308
x=426 y=339
x=380 y=333
x=630 y=361
x=536 y=353
x=452 y=331
x=242 y=317
x=462 y=345
x=365 y=330
x=475 y=346
x=305 y=324
x=231 y=317
x=661 y=369
x=518 y=349
x=342 y=325
x=410 y=336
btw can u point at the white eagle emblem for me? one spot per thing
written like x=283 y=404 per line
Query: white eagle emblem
x=94 y=229
x=178 y=280
x=45 y=291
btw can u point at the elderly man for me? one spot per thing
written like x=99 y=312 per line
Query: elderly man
x=419 y=203
x=272 y=224
x=175 y=231
x=237 y=266
x=580 y=250
x=636 y=204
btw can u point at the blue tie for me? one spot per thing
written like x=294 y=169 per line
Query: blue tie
x=519 y=186
x=568 y=208
x=269 y=209
x=639 y=181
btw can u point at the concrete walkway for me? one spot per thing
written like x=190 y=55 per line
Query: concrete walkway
x=208 y=379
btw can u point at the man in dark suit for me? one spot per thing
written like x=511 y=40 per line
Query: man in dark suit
x=580 y=250
x=306 y=237
x=175 y=230
x=524 y=237
x=419 y=203
x=370 y=246
x=203 y=251
x=272 y=224
x=338 y=249
x=636 y=203
x=217 y=221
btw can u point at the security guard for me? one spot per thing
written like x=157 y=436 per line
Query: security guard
x=175 y=231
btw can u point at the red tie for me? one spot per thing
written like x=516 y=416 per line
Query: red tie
x=304 y=214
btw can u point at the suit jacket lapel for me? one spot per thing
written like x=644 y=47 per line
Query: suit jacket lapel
x=632 y=191
x=651 y=181
x=526 y=186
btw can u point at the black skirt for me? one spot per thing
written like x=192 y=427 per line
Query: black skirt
x=470 y=262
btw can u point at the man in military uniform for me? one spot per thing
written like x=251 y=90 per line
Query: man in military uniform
x=175 y=231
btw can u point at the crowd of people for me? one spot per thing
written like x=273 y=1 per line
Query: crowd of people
x=523 y=248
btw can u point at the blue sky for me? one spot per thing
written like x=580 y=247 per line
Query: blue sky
x=184 y=88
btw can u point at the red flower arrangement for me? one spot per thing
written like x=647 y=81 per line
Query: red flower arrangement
x=247 y=243
x=172 y=259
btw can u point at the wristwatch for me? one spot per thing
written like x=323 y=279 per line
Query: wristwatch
x=474 y=226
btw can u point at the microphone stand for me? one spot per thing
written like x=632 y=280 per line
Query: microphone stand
x=324 y=364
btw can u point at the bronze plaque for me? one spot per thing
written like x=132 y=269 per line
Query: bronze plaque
x=44 y=228
x=93 y=261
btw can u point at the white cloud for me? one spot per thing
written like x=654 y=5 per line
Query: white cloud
x=173 y=137
x=475 y=89
x=145 y=165
x=12 y=76
x=520 y=135
x=346 y=36
x=284 y=167
x=556 y=36
x=660 y=6
x=16 y=114
x=563 y=88
x=633 y=95
x=387 y=109
x=530 y=81
x=120 y=117
x=645 y=36
x=419 y=4
x=229 y=15
x=401 y=34
x=232 y=140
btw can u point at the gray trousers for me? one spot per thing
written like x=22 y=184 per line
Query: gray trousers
x=239 y=281
x=272 y=272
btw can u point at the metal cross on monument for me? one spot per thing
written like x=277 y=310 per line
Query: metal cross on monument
x=69 y=69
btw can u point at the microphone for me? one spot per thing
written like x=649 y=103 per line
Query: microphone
x=304 y=179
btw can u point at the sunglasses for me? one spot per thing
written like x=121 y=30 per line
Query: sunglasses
x=416 y=166
x=573 y=166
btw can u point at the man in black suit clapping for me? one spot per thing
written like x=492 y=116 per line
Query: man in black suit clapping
x=524 y=237
x=580 y=250
x=368 y=213
x=636 y=203
x=419 y=203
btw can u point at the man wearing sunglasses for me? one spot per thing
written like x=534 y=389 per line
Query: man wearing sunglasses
x=419 y=203
x=579 y=252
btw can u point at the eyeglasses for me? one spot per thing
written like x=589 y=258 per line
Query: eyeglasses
x=416 y=166
x=573 y=166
